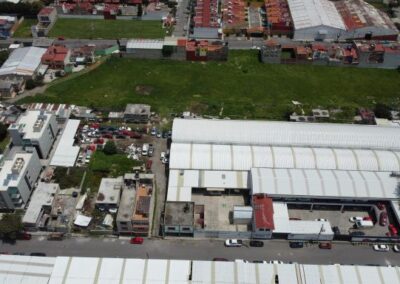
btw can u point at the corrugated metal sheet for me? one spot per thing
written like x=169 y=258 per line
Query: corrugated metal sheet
x=233 y=157
x=324 y=183
x=307 y=14
x=266 y=133
x=66 y=153
x=27 y=269
x=23 y=61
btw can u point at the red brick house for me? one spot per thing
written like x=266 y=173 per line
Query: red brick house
x=56 y=56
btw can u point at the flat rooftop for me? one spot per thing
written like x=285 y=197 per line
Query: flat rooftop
x=126 y=205
x=143 y=198
x=10 y=173
x=110 y=190
x=179 y=213
x=42 y=196
x=32 y=123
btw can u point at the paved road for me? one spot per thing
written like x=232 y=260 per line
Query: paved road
x=158 y=169
x=203 y=250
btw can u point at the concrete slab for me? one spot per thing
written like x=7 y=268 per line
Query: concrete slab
x=339 y=219
x=217 y=211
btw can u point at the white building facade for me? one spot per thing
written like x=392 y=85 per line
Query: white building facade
x=18 y=177
x=36 y=129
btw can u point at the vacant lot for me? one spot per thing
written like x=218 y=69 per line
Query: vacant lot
x=239 y=88
x=107 y=29
x=24 y=30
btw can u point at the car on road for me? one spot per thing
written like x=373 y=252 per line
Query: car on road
x=164 y=160
x=383 y=219
x=296 y=244
x=61 y=38
x=159 y=134
x=357 y=233
x=396 y=248
x=37 y=254
x=162 y=155
x=219 y=259
x=233 y=243
x=381 y=248
x=257 y=244
x=153 y=131
x=55 y=237
x=355 y=219
x=137 y=241
x=321 y=220
x=325 y=245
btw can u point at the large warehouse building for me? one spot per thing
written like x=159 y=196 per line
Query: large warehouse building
x=282 y=161
x=346 y=19
x=52 y=270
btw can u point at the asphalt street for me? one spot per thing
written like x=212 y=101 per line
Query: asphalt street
x=342 y=253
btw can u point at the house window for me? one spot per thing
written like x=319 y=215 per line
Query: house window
x=186 y=229
x=171 y=228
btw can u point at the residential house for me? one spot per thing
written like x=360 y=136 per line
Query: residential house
x=47 y=17
x=40 y=205
x=56 y=57
x=109 y=194
x=83 y=54
x=9 y=88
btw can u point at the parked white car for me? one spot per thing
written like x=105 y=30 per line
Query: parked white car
x=162 y=156
x=396 y=248
x=233 y=243
x=382 y=248
x=355 y=219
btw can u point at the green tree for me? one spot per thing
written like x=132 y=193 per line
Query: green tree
x=10 y=224
x=3 y=56
x=30 y=84
x=110 y=148
x=3 y=131
x=382 y=111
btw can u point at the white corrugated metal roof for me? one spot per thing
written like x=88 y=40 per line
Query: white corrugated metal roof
x=228 y=157
x=144 y=44
x=181 y=182
x=324 y=183
x=66 y=154
x=314 y=13
x=118 y=270
x=274 y=133
x=23 y=61
x=27 y=269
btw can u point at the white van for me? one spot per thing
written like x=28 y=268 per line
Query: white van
x=364 y=224
x=145 y=149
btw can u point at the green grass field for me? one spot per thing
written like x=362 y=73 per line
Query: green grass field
x=107 y=29
x=24 y=30
x=239 y=88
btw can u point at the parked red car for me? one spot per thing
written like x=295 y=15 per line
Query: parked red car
x=135 y=135
x=137 y=241
x=108 y=136
x=383 y=219
x=149 y=163
x=99 y=141
x=392 y=229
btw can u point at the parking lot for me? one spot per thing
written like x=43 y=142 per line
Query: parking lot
x=341 y=220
